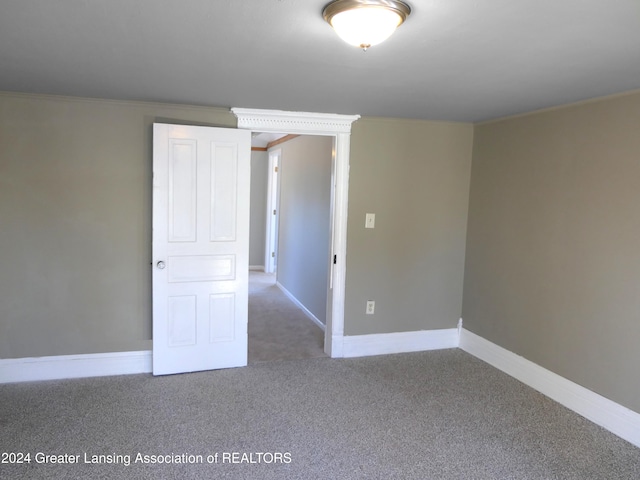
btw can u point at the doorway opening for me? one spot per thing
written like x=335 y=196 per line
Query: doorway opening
x=291 y=211
x=339 y=128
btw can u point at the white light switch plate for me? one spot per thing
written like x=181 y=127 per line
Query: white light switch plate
x=370 y=220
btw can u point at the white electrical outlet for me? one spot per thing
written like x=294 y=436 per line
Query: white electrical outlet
x=371 y=307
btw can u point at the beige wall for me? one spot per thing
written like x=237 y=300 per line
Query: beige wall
x=75 y=216
x=553 y=249
x=414 y=175
x=75 y=210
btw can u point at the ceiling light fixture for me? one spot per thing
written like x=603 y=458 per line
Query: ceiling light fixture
x=365 y=23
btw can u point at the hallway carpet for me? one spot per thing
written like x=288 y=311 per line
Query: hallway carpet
x=278 y=329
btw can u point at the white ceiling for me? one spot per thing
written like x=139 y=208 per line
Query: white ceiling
x=262 y=139
x=462 y=60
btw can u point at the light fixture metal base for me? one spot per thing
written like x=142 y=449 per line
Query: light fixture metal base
x=402 y=9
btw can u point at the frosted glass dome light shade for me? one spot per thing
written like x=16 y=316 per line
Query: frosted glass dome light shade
x=364 y=23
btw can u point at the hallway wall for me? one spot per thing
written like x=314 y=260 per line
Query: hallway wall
x=304 y=220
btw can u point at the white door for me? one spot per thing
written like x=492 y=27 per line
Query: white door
x=200 y=247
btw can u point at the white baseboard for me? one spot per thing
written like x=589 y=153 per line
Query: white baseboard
x=306 y=311
x=74 y=366
x=259 y=268
x=399 y=342
x=610 y=415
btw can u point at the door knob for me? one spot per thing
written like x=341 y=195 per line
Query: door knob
x=160 y=265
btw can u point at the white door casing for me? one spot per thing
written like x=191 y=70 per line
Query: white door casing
x=339 y=127
x=200 y=247
x=271 y=249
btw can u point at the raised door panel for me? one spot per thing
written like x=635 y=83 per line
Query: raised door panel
x=224 y=192
x=201 y=268
x=182 y=190
x=221 y=317
x=182 y=330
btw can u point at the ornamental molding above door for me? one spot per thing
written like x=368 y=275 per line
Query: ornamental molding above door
x=293 y=122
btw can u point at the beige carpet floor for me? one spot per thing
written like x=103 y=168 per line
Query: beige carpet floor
x=439 y=415
x=278 y=329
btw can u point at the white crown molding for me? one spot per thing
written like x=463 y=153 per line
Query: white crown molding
x=610 y=415
x=293 y=122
